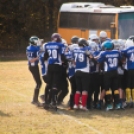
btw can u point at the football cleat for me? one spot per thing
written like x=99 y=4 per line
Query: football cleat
x=42 y=97
x=76 y=107
x=99 y=105
x=118 y=106
x=109 y=107
x=83 y=108
x=38 y=104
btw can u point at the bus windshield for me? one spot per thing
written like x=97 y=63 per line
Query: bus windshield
x=86 y=20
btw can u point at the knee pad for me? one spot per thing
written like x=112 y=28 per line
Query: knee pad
x=116 y=92
x=109 y=96
x=133 y=94
x=128 y=94
x=108 y=92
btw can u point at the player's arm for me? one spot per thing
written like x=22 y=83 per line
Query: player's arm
x=30 y=57
x=46 y=55
x=33 y=60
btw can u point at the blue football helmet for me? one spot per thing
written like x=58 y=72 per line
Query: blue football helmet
x=107 y=45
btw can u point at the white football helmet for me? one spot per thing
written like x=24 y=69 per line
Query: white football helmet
x=122 y=43
x=93 y=36
x=129 y=43
x=116 y=44
x=103 y=34
x=94 y=46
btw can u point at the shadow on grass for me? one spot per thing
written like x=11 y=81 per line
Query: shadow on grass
x=4 y=114
x=102 y=113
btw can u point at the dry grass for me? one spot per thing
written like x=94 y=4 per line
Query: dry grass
x=19 y=116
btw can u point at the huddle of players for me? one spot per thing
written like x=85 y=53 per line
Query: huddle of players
x=100 y=66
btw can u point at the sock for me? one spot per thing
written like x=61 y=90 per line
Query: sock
x=71 y=100
x=109 y=97
x=76 y=98
x=54 y=95
x=133 y=94
x=128 y=95
x=84 y=99
x=116 y=96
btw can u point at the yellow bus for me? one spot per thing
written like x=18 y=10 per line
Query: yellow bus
x=83 y=19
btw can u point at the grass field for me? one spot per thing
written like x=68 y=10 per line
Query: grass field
x=19 y=116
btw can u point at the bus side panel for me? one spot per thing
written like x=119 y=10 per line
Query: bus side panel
x=67 y=33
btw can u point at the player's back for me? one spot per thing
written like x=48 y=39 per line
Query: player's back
x=110 y=59
x=129 y=54
x=55 y=50
x=81 y=59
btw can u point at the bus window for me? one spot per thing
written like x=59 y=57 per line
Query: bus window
x=64 y=20
x=100 y=21
x=83 y=20
x=74 y=20
x=86 y=20
x=126 y=24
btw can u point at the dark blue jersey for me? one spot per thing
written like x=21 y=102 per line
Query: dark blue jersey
x=31 y=52
x=110 y=59
x=55 y=50
x=71 y=67
x=81 y=59
x=129 y=54
x=43 y=64
x=94 y=66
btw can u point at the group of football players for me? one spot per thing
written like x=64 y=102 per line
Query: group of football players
x=100 y=71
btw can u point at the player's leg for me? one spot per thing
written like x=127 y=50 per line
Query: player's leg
x=73 y=91
x=36 y=75
x=78 y=89
x=128 y=88
x=85 y=87
x=55 y=83
x=64 y=90
x=107 y=86
x=96 y=89
x=90 y=90
x=115 y=88
x=132 y=88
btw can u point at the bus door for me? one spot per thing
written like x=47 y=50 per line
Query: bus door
x=83 y=32
x=113 y=30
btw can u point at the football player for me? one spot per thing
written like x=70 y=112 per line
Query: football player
x=54 y=54
x=111 y=58
x=94 y=77
x=31 y=52
x=128 y=53
x=81 y=58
